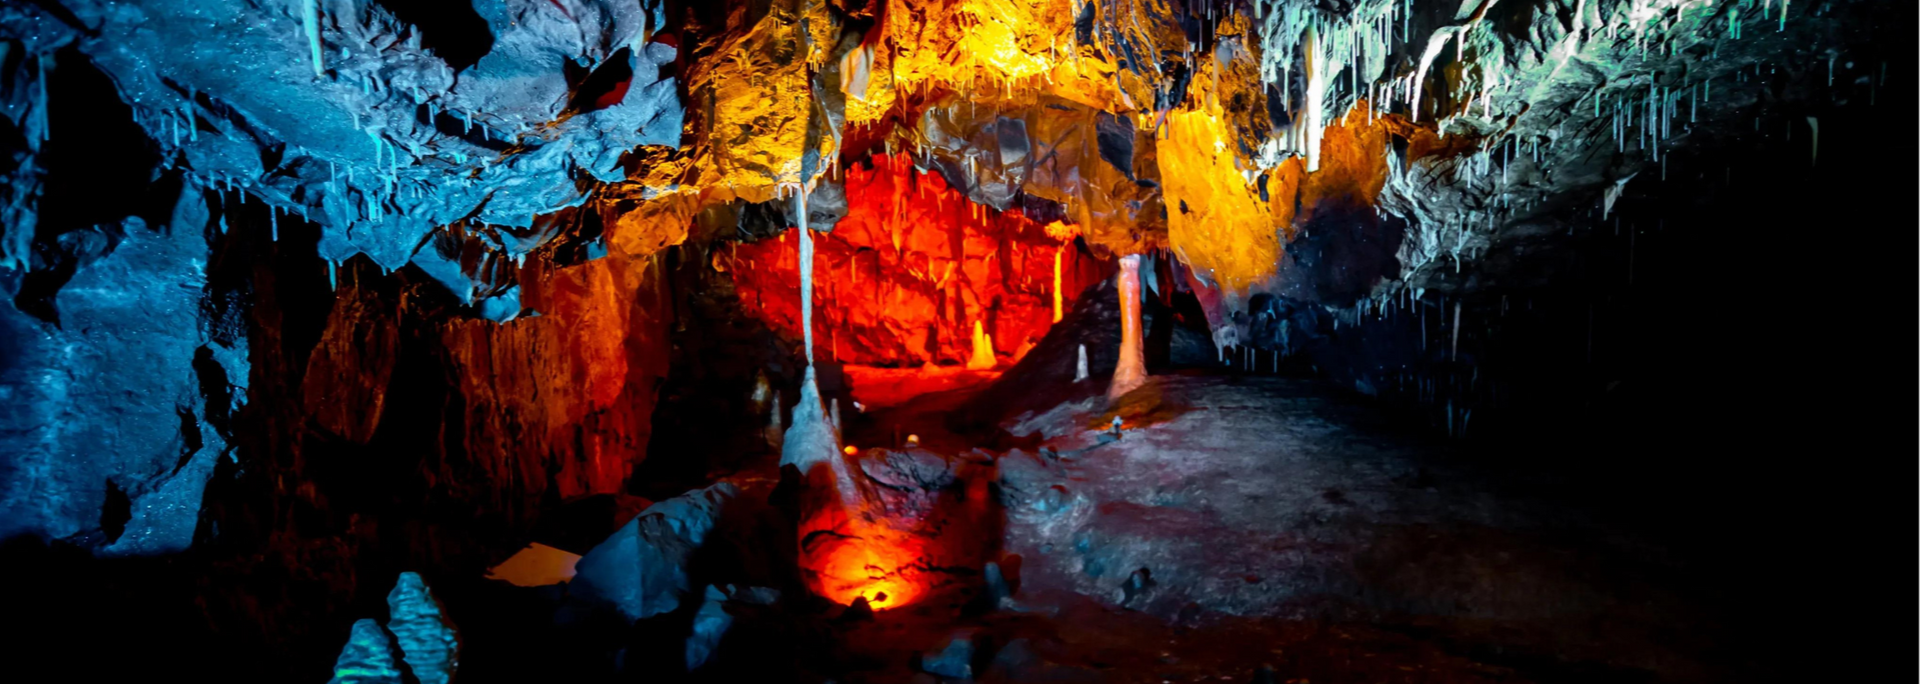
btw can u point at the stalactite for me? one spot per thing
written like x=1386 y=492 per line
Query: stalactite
x=310 y=18
x=810 y=438
x=1316 y=98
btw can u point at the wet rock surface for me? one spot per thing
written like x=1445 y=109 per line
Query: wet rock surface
x=1254 y=498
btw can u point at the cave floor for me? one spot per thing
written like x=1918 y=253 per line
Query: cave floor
x=1242 y=523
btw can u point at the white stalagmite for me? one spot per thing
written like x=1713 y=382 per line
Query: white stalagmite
x=1080 y=370
x=1131 y=371
x=810 y=436
x=776 y=433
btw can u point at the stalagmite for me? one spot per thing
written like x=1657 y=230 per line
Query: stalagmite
x=1812 y=123
x=1080 y=369
x=1131 y=371
x=1453 y=351
x=776 y=433
x=982 y=358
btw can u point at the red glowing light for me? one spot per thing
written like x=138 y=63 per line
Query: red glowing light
x=878 y=564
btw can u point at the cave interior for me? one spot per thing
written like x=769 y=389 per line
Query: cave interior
x=396 y=342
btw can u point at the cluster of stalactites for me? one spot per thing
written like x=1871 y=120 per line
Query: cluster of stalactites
x=1323 y=47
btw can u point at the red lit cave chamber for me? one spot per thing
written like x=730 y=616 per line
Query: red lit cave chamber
x=916 y=288
x=875 y=341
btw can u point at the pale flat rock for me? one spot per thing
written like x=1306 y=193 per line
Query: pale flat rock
x=538 y=565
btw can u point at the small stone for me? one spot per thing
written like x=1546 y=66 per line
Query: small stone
x=955 y=661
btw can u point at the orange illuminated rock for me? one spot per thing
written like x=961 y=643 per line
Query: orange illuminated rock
x=345 y=388
x=1215 y=218
x=565 y=399
x=867 y=561
x=759 y=100
x=884 y=526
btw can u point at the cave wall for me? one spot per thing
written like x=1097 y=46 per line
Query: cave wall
x=108 y=432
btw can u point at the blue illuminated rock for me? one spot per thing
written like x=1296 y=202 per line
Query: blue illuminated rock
x=367 y=657
x=426 y=638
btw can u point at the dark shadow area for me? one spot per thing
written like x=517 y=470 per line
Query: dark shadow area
x=606 y=86
x=452 y=30
x=94 y=177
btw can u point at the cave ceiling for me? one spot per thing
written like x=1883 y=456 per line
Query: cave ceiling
x=1222 y=132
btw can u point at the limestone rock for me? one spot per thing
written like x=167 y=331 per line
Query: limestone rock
x=367 y=658
x=426 y=638
x=710 y=624
x=955 y=660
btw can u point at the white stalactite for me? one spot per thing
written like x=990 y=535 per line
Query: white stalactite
x=806 y=272
x=1315 y=127
x=1131 y=371
x=810 y=438
x=310 y=18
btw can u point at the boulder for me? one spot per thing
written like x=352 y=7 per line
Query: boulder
x=641 y=570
